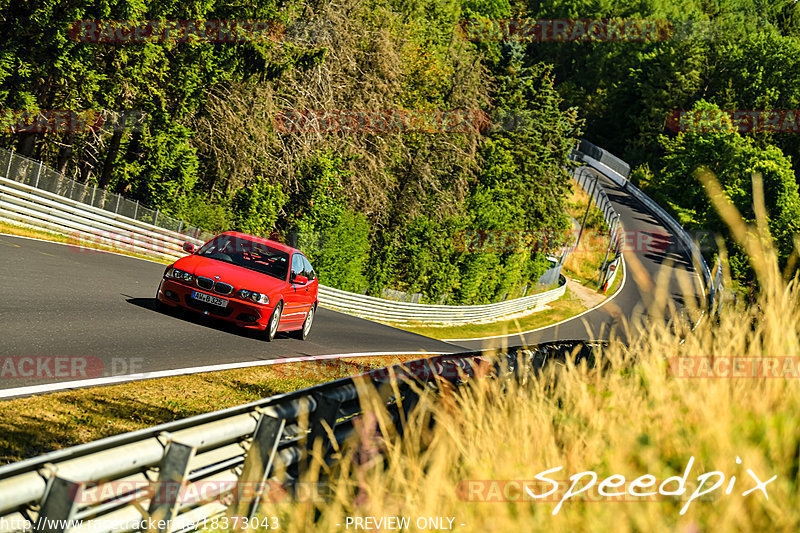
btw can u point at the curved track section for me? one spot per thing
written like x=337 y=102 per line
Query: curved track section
x=652 y=257
x=96 y=311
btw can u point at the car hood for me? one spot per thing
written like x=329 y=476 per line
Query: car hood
x=239 y=277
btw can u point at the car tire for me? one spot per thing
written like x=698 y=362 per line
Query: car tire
x=274 y=321
x=303 y=332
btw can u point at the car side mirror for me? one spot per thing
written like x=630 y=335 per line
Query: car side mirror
x=300 y=280
x=188 y=247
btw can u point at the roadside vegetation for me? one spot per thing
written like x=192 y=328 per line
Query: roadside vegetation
x=388 y=210
x=642 y=412
x=586 y=260
x=39 y=424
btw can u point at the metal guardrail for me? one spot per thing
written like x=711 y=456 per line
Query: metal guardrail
x=391 y=311
x=38 y=175
x=612 y=219
x=599 y=159
x=227 y=461
x=26 y=204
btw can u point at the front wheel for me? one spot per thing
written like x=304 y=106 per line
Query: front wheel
x=274 y=320
x=302 y=334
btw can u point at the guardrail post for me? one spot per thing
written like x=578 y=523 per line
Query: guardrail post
x=135 y=209
x=171 y=477
x=611 y=238
x=8 y=168
x=257 y=466
x=325 y=414
x=155 y=218
x=94 y=190
x=116 y=208
x=58 y=505
x=38 y=173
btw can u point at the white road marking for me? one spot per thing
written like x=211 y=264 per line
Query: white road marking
x=110 y=380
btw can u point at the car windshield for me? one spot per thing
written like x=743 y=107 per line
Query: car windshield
x=248 y=254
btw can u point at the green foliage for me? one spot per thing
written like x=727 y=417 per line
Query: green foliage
x=335 y=239
x=371 y=211
x=733 y=159
x=256 y=208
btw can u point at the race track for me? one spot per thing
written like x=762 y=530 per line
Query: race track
x=63 y=301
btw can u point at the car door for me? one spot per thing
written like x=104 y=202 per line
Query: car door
x=294 y=311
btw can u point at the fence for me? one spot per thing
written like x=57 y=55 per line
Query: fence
x=34 y=173
x=227 y=461
x=390 y=311
x=612 y=219
x=58 y=207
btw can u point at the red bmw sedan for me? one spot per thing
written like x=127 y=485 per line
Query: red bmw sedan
x=253 y=282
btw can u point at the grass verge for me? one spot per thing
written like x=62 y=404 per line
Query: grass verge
x=38 y=424
x=712 y=409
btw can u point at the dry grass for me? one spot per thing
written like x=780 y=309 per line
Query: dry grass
x=632 y=418
x=585 y=261
x=39 y=424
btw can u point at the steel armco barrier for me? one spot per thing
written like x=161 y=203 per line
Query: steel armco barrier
x=612 y=167
x=227 y=461
x=26 y=204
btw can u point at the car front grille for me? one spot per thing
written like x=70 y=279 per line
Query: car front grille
x=217 y=286
x=223 y=288
x=205 y=283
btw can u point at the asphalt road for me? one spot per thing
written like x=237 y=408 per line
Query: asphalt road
x=78 y=314
x=653 y=259
x=97 y=309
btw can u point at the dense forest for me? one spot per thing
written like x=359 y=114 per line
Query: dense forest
x=383 y=207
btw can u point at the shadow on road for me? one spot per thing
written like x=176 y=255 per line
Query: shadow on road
x=201 y=320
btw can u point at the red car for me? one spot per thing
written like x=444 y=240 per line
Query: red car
x=253 y=282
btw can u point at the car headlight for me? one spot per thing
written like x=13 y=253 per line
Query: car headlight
x=179 y=274
x=256 y=297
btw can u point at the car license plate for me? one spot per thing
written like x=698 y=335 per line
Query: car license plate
x=207 y=298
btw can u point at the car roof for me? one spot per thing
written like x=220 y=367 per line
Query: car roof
x=261 y=240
